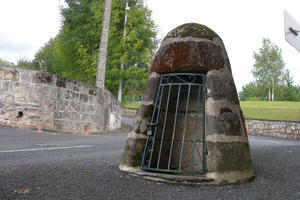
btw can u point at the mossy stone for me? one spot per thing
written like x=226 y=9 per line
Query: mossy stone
x=192 y=30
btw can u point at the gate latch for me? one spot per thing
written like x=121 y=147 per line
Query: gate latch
x=149 y=129
x=149 y=132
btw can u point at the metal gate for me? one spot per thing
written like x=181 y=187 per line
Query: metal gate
x=176 y=134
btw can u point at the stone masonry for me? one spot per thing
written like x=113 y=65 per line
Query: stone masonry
x=38 y=100
x=274 y=128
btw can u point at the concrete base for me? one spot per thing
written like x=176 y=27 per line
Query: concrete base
x=232 y=177
x=182 y=179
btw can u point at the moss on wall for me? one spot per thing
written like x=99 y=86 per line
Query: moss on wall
x=192 y=30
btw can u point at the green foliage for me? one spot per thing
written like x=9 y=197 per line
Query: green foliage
x=44 y=58
x=289 y=93
x=23 y=62
x=5 y=63
x=133 y=104
x=74 y=51
x=252 y=91
x=271 y=77
x=135 y=79
x=253 y=99
x=268 y=69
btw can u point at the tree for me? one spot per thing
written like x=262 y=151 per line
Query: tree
x=74 y=51
x=288 y=91
x=23 y=62
x=252 y=91
x=44 y=58
x=134 y=78
x=268 y=69
x=285 y=91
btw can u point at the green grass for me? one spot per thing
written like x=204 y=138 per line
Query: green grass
x=133 y=104
x=276 y=110
x=271 y=104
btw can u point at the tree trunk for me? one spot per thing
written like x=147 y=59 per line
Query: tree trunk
x=269 y=97
x=273 y=86
x=273 y=93
x=101 y=66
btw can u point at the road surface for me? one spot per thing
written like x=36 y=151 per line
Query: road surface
x=39 y=165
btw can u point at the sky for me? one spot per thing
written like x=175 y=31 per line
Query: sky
x=25 y=26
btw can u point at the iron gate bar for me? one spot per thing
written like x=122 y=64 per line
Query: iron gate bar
x=164 y=126
x=184 y=129
x=152 y=118
x=184 y=74
x=198 y=150
x=156 y=121
x=174 y=127
x=204 y=129
x=192 y=84
x=166 y=80
x=196 y=131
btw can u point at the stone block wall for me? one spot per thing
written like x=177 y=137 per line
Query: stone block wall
x=274 y=128
x=128 y=112
x=43 y=101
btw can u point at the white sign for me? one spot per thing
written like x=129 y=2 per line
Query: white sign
x=291 y=30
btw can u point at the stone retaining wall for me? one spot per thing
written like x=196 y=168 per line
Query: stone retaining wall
x=128 y=112
x=38 y=100
x=274 y=128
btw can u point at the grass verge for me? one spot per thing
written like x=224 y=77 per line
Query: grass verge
x=274 y=110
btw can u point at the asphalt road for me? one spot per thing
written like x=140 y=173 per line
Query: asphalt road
x=127 y=121
x=38 y=165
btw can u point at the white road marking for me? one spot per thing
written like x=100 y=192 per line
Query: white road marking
x=44 y=149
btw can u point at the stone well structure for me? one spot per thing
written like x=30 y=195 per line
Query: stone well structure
x=189 y=127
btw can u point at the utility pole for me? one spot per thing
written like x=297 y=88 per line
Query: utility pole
x=101 y=65
x=122 y=64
